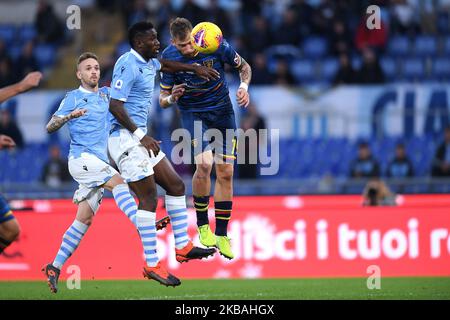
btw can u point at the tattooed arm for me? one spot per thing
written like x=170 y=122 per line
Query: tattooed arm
x=57 y=122
x=245 y=74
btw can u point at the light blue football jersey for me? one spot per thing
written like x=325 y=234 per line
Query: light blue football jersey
x=133 y=83
x=88 y=133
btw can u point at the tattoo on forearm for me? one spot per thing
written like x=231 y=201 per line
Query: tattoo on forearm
x=245 y=72
x=56 y=122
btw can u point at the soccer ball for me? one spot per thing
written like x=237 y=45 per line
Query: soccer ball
x=206 y=37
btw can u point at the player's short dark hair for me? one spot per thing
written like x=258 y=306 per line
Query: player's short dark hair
x=85 y=56
x=180 y=27
x=138 y=29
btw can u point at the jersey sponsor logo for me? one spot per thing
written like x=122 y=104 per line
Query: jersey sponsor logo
x=118 y=84
x=208 y=63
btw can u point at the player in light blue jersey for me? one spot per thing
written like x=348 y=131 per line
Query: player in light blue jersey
x=138 y=155
x=85 y=110
x=207 y=104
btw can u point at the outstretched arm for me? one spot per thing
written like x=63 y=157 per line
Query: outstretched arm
x=201 y=71
x=31 y=80
x=57 y=122
x=245 y=74
x=117 y=109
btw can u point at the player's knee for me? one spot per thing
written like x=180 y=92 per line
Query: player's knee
x=86 y=220
x=177 y=188
x=224 y=174
x=203 y=171
x=12 y=231
x=148 y=202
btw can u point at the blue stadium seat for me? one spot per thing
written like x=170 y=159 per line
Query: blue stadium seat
x=288 y=53
x=356 y=62
x=45 y=55
x=122 y=48
x=425 y=46
x=389 y=66
x=399 y=46
x=446 y=46
x=441 y=68
x=303 y=70
x=329 y=67
x=315 y=47
x=15 y=51
x=413 y=69
x=7 y=33
x=27 y=32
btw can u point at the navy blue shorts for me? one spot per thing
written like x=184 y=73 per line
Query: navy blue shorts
x=222 y=141
x=5 y=210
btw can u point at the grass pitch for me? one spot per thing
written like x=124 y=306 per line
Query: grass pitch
x=267 y=289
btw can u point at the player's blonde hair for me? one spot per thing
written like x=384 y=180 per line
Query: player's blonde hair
x=86 y=55
x=180 y=27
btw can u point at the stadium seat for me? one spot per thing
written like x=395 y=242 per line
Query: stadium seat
x=446 y=46
x=45 y=55
x=26 y=33
x=288 y=53
x=389 y=66
x=329 y=67
x=441 y=68
x=15 y=51
x=425 y=46
x=399 y=46
x=413 y=69
x=122 y=48
x=315 y=47
x=356 y=62
x=7 y=33
x=303 y=70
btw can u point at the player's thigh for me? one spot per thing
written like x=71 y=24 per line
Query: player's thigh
x=224 y=143
x=168 y=178
x=196 y=125
x=10 y=229
x=132 y=158
x=90 y=171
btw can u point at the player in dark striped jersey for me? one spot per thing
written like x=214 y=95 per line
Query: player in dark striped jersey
x=206 y=103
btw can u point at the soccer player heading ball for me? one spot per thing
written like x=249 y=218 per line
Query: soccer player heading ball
x=207 y=103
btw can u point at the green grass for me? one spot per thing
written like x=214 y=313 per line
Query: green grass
x=268 y=289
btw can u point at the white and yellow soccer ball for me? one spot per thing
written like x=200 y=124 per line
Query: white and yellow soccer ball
x=206 y=37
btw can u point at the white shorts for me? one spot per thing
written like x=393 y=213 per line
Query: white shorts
x=131 y=157
x=90 y=172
